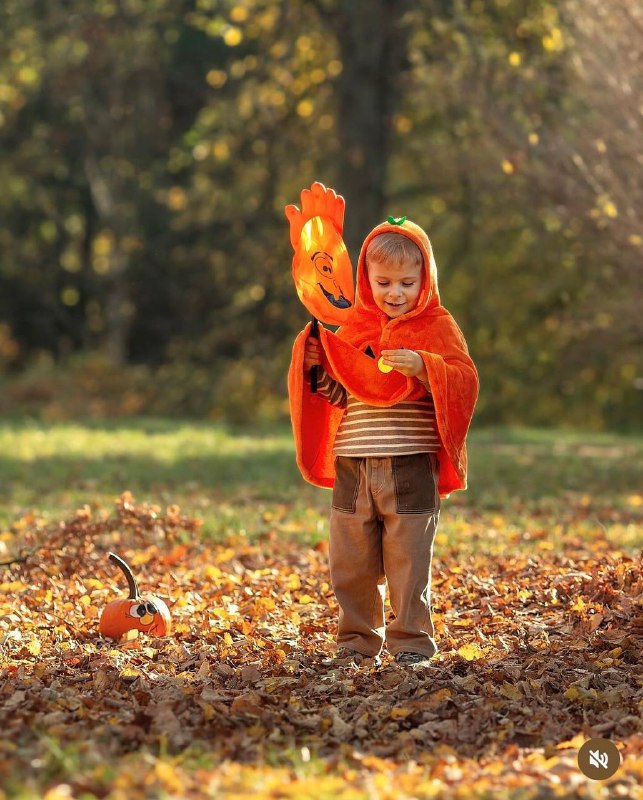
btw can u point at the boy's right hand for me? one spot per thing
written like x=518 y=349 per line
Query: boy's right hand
x=312 y=354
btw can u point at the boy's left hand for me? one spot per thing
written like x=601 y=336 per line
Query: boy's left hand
x=408 y=362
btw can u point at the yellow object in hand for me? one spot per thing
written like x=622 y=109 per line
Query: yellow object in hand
x=382 y=366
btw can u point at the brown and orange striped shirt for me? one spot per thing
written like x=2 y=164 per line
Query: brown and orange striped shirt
x=405 y=428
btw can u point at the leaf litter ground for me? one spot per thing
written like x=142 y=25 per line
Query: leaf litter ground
x=538 y=653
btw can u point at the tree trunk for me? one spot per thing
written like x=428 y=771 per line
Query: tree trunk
x=117 y=294
x=373 y=38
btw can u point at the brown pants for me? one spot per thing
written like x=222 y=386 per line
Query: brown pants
x=383 y=522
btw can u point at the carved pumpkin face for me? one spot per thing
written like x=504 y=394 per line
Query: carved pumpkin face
x=147 y=613
x=323 y=273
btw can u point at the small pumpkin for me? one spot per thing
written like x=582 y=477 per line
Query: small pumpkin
x=145 y=613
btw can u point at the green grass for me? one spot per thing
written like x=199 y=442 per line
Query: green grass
x=246 y=481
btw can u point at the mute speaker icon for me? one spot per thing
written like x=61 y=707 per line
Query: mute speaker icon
x=598 y=759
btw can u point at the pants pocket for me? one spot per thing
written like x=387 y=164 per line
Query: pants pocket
x=416 y=483
x=346 y=484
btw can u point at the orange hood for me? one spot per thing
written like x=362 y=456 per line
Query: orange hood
x=428 y=329
x=429 y=296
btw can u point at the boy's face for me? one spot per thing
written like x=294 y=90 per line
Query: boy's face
x=395 y=287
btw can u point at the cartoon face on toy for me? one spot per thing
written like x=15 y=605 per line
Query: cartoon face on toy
x=147 y=613
x=323 y=272
x=331 y=290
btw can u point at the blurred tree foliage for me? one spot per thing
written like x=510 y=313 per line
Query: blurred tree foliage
x=147 y=148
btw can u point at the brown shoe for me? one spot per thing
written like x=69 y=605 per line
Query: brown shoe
x=345 y=657
x=406 y=659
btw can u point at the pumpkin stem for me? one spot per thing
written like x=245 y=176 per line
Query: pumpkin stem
x=131 y=580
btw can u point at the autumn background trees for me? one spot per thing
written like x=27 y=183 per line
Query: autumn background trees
x=147 y=148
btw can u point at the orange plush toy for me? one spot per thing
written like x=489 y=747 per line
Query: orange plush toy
x=321 y=266
x=351 y=355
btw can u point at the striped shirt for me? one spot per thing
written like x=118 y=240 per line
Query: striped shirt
x=405 y=428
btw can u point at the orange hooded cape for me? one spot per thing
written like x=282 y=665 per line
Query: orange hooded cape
x=428 y=329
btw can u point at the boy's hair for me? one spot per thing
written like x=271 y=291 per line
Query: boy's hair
x=394 y=247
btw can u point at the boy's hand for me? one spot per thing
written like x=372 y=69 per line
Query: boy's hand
x=312 y=354
x=408 y=362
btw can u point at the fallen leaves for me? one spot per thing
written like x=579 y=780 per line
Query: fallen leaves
x=536 y=656
x=470 y=651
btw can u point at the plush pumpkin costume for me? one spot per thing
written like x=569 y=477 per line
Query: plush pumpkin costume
x=351 y=354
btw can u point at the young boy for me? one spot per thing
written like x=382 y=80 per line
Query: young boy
x=398 y=390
